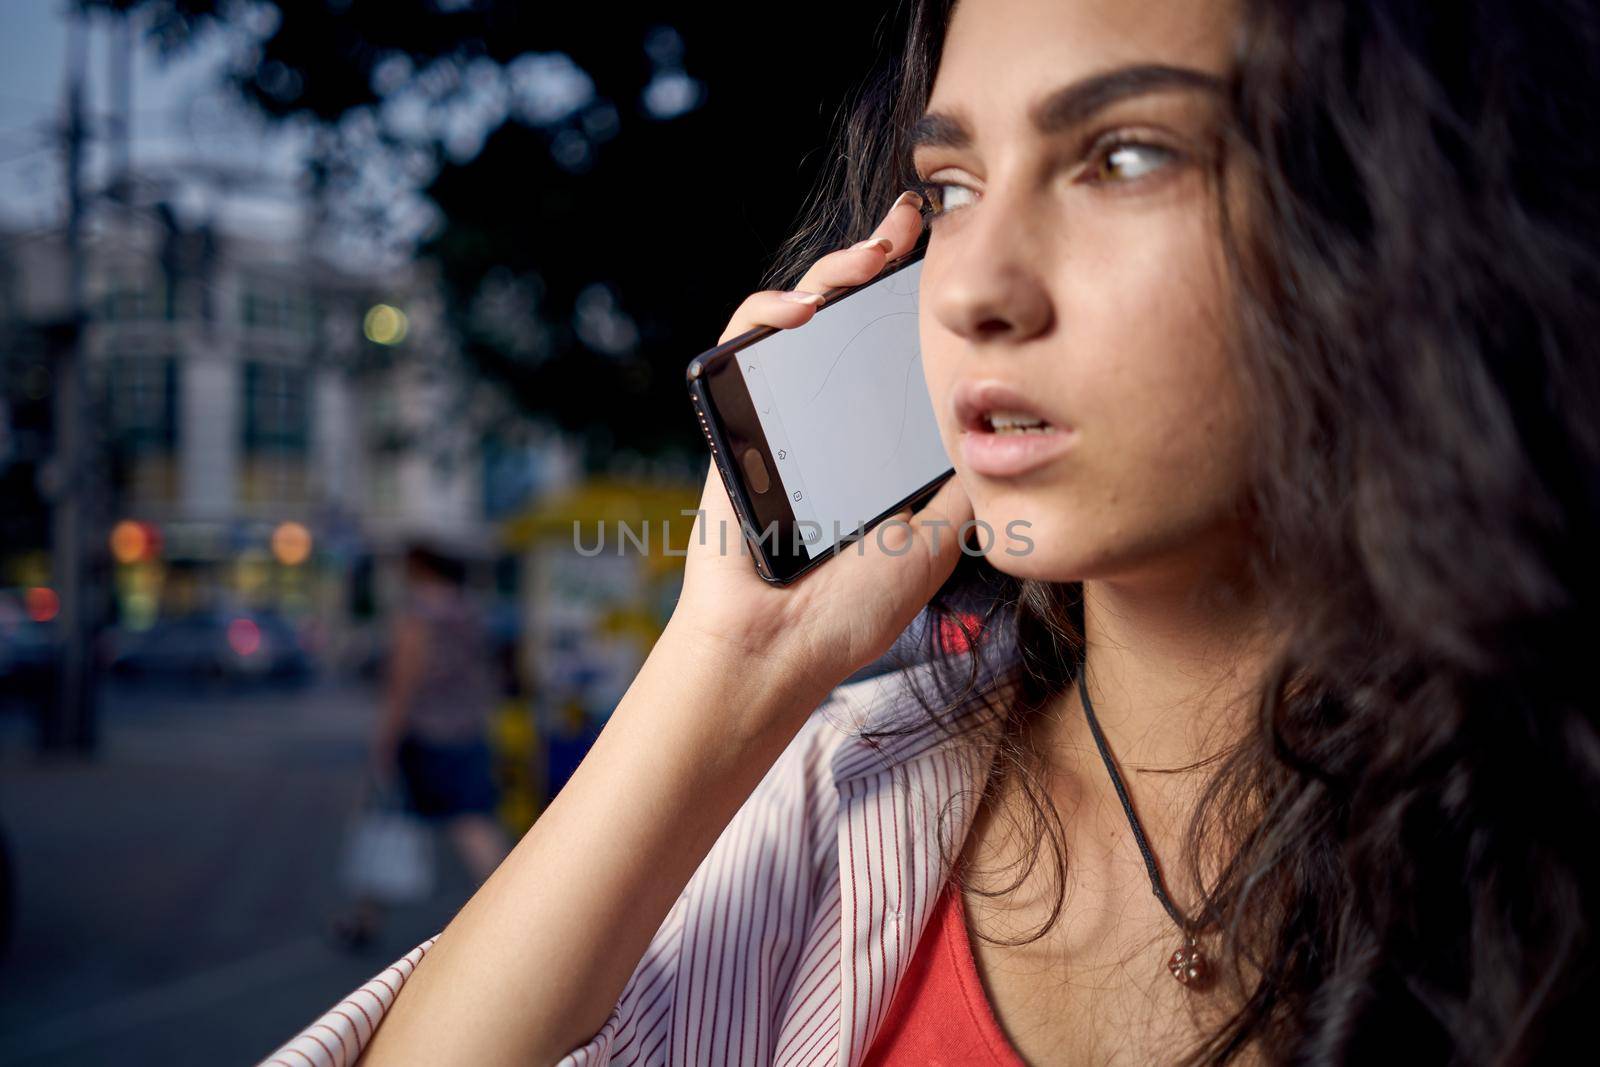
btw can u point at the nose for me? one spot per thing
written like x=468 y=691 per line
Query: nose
x=991 y=290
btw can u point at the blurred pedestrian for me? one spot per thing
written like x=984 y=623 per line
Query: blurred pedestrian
x=432 y=733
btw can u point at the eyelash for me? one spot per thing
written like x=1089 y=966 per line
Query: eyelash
x=1100 y=153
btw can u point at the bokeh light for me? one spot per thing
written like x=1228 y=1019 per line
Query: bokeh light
x=43 y=604
x=131 y=541
x=385 y=324
x=244 y=637
x=291 y=544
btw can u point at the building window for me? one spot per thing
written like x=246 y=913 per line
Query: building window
x=138 y=298
x=10 y=306
x=267 y=305
x=275 y=410
x=143 y=401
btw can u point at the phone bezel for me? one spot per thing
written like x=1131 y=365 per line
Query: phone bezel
x=727 y=431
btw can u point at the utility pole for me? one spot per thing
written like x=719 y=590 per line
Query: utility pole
x=121 y=131
x=70 y=723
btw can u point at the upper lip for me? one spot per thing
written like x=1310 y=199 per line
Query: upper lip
x=975 y=400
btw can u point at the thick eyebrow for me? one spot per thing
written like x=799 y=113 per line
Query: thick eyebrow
x=1073 y=104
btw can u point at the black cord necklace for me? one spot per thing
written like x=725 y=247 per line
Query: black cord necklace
x=1188 y=965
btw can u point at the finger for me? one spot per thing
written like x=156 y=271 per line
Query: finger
x=949 y=503
x=856 y=265
x=940 y=528
x=922 y=547
x=894 y=236
x=772 y=307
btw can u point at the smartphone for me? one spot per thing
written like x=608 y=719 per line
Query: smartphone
x=823 y=431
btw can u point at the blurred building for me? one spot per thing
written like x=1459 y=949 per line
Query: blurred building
x=271 y=430
x=26 y=429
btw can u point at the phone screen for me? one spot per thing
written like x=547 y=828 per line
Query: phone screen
x=845 y=411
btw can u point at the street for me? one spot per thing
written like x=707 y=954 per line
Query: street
x=174 y=892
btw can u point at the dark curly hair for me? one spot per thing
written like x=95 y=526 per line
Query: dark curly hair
x=1409 y=821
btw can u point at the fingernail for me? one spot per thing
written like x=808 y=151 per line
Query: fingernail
x=798 y=296
x=910 y=196
x=882 y=242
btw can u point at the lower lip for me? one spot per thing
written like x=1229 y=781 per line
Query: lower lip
x=1007 y=455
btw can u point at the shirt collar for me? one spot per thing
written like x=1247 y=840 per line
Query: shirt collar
x=889 y=725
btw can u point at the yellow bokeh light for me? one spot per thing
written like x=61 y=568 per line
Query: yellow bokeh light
x=130 y=541
x=251 y=571
x=385 y=324
x=291 y=544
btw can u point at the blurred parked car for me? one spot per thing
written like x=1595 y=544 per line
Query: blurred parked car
x=29 y=647
x=218 y=645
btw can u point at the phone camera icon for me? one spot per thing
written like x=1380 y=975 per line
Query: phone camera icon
x=797 y=494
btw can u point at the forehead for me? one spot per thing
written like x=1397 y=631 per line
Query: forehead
x=1005 y=53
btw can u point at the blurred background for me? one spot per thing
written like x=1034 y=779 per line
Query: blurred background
x=294 y=293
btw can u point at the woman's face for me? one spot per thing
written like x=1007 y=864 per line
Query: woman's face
x=1075 y=328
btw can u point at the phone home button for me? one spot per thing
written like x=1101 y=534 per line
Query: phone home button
x=756 y=471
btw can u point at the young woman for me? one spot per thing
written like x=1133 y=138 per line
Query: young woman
x=1276 y=321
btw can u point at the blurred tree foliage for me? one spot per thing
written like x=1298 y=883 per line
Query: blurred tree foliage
x=595 y=241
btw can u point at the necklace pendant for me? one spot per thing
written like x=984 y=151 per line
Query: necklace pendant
x=1190 y=967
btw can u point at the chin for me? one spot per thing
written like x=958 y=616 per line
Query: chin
x=1036 y=565
x=1025 y=544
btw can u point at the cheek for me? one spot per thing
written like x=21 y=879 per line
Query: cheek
x=940 y=356
x=1146 y=369
x=1154 y=380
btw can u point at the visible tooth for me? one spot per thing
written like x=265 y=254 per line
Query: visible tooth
x=1009 y=421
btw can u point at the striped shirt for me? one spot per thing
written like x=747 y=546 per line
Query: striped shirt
x=788 y=942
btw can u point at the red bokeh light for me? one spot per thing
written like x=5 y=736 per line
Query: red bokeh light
x=133 y=541
x=244 y=637
x=43 y=604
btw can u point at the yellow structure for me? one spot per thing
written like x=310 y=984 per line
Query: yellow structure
x=601 y=567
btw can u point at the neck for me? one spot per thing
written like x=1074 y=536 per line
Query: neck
x=1174 y=665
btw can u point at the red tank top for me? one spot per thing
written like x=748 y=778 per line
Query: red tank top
x=940 y=1015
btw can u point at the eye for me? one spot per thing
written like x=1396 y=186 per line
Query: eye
x=941 y=198
x=1126 y=161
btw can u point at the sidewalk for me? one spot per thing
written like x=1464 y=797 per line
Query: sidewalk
x=173 y=893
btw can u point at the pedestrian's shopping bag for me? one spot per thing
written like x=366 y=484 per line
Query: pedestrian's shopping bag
x=388 y=853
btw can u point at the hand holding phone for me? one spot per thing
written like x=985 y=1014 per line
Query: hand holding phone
x=845 y=613
x=824 y=431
